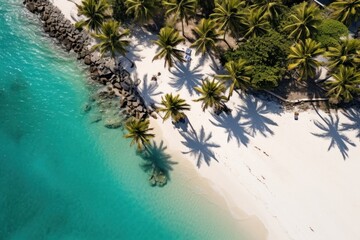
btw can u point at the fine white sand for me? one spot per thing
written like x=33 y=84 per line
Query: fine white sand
x=300 y=178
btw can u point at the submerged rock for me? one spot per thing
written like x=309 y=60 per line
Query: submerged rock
x=113 y=123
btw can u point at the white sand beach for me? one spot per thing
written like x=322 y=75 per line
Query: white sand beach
x=300 y=178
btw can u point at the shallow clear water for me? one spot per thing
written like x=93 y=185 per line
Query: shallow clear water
x=62 y=177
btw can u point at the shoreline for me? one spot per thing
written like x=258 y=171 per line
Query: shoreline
x=266 y=178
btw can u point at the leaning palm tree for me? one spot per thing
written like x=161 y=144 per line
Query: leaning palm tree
x=169 y=38
x=173 y=107
x=112 y=40
x=271 y=9
x=345 y=53
x=303 y=57
x=182 y=9
x=95 y=12
x=212 y=95
x=143 y=10
x=238 y=74
x=228 y=15
x=138 y=131
x=303 y=21
x=254 y=23
x=207 y=36
x=346 y=11
x=344 y=85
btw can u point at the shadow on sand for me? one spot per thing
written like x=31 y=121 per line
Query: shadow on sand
x=148 y=90
x=232 y=127
x=156 y=158
x=254 y=112
x=185 y=76
x=331 y=131
x=353 y=116
x=199 y=146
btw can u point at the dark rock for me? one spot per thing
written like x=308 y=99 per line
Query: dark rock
x=113 y=123
x=139 y=108
x=31 y=7
x=123 y=103
x=117 y=85
x=87 y=60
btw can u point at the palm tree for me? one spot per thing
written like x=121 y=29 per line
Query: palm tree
x=112 y=40
x=302 y=56
x=212 y=95
x=344 y=85
x=138 y=131
x=174 y=107
x=271 y=9
x=346 y=53
x=143 y=10
x=254 y=23
x=207 y=36
x=95 y=12
x=182 y=9
x=168 y=40
x=346 y=11
x=238 y=75
x=227 y=14
x=304 y=21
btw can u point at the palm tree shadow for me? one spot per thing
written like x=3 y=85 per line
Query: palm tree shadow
x=156 y=158
x=254 y=112
x=184 y=76
x=330 y=128
x=232 y=127
x=199 y=146
x=354 y=117
x=148 y=90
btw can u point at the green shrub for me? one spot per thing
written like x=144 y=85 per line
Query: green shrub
x=268 y=56
x=330 y=31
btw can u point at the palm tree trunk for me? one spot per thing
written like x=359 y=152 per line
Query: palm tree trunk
x=224 y=39
x=182 y=27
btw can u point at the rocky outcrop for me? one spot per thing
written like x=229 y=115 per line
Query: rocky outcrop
x=57 y=26
x=102 y=71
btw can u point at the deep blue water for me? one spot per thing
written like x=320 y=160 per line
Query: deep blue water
x=62 y=177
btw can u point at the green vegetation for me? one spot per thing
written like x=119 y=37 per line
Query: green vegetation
x=181 y=9
x=111 y=39
x=346 y=11
x=142 y=10
x=266 y=41
x=207 y=36
x=344 y=85
x=174 y=107
x=329 y=32
x=169 y=38
x=302 y=57
x=238 y=75
x=267 y=55
x=228 y=15
x=95 y=13
x=304 y=20
x=138 y=131
x=345 y=53
x=212 y=95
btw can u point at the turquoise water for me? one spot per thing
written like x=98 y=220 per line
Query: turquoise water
x=62 y=177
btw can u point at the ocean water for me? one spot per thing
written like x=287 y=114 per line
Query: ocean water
x=63 y=177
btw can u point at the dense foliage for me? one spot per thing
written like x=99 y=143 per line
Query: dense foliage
x=268 y=56
x=271 y=38
x=330 y=31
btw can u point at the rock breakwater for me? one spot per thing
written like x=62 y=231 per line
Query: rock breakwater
x=118 y=80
